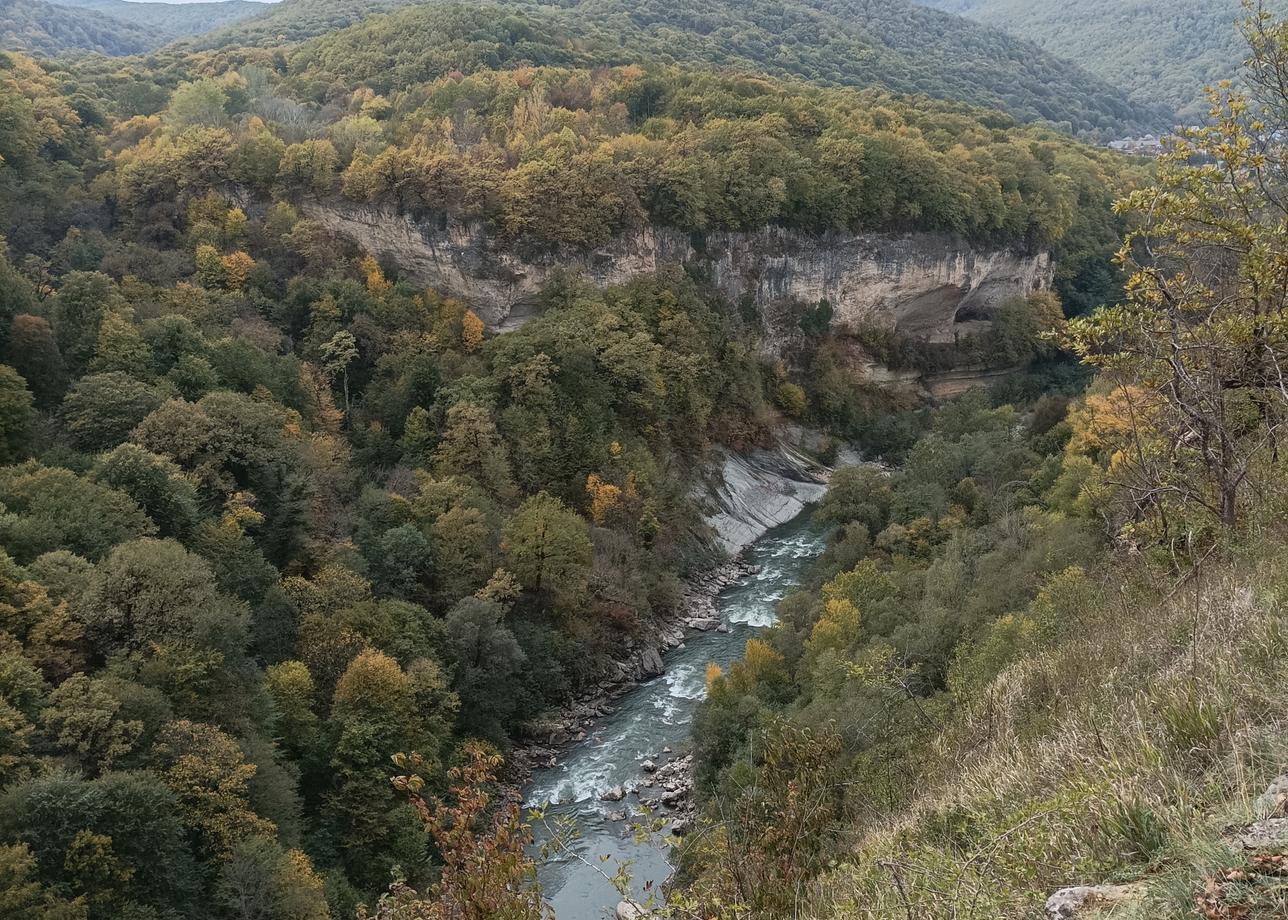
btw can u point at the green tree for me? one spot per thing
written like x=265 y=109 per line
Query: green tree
x=155 y=483
x=51 y=509
x=548 y=547
x=374 y=711
x=487 y=662
x=34 y=354
x=149 y=592
x=15 y=414
x=209 y=776
x=471 y=446
x=197 y=103
x=120 y=346
x=262 y=881
x=84 y=721
x=337 y=354
x=102 y=409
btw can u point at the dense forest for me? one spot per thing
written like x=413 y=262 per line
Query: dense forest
x=277 y=523
x=1047 y=650
x=1160 y=52
x=886 y=43
x=273 y=515
x=111 y=27
x=891 y=44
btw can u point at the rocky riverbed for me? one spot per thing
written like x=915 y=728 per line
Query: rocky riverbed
x=643 y=659
x=622 y=753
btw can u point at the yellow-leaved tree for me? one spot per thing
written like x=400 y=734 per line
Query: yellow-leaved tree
x=1200 y=341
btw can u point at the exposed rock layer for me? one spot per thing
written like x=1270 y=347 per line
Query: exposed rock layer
x=926 y=285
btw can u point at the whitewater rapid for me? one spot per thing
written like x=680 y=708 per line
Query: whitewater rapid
x=652 y=716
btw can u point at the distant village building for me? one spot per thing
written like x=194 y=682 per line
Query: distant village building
x=1151 y=145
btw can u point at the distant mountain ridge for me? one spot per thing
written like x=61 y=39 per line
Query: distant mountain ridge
x=1157 y=51
x=888 y=43
x=111 y=27
x=174 y=19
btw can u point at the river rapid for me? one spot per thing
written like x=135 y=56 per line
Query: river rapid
x=653 y=716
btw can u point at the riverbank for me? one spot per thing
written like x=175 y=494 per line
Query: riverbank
x=745 y=496
x=695 y=614
x=639 y=749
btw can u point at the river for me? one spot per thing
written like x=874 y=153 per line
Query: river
x=650 y=717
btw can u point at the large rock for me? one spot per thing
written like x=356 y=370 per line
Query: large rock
x=1267 y=834
x=651 y=663
x=1073 y=902
x=926 y=285
x=616 y=794
x=755 y=492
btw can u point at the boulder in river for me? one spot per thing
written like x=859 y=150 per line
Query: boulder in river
x=648 y=766
x=651 y=662
x=616 y=794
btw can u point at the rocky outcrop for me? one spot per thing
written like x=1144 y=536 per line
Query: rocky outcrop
x=755 y=491
x=925 y=285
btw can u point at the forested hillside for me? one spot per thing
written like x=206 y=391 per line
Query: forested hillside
x=1040 y=669
x=169 y=21
x=271 y=514
x=1157 y=51
x=47 y=29
x=112 y=27
x=886 y=43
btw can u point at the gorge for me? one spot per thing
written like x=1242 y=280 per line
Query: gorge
x=924 y=285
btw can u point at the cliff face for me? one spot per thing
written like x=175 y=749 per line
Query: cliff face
x=925 y=285
x=751 y=493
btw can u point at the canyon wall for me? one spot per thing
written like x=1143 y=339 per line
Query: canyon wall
x=925 y=285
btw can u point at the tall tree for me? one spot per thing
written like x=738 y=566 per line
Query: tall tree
x=1200 y=343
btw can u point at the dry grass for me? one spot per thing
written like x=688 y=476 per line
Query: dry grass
x=1120 y=751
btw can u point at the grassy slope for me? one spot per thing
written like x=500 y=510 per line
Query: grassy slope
x=1136 y=726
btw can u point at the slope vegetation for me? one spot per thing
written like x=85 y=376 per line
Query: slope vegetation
x=112 y=27
x=1158 y=51
x=888 y=43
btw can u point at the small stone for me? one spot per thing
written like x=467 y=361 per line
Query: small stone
x=629 y=910
x=1070 y=902
x=1273 y=803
